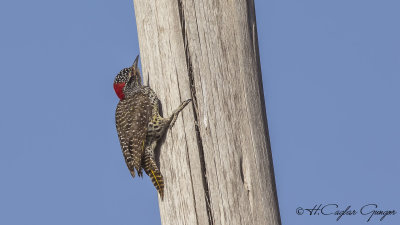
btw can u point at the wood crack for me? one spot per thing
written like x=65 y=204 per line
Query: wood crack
x=187 y=150
x=195 y=113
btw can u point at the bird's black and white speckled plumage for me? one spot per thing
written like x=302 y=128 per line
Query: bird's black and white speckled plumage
x=139 y=124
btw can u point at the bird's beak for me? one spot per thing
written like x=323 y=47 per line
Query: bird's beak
x=134 y=66
x=135 y=63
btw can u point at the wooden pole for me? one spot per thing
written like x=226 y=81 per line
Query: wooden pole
x=216 y=161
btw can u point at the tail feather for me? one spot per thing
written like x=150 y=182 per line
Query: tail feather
x=155 y=175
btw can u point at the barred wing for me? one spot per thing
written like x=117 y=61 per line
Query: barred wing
x=132 y=118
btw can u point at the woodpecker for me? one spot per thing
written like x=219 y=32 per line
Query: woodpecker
x=139 y=124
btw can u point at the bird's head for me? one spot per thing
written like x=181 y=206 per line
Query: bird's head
x=127 y=79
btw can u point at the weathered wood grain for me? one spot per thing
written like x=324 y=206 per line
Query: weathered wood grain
x=216 y=161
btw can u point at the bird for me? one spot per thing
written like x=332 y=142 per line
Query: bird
x=139 y=124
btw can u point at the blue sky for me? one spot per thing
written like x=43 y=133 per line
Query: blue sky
x=331 y=73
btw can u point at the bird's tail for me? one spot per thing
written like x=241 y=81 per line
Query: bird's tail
x=175 y=114
x=151 y=169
